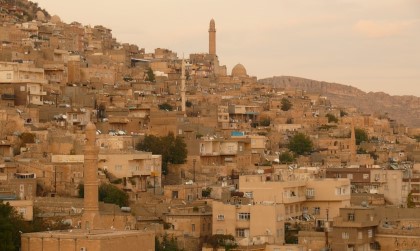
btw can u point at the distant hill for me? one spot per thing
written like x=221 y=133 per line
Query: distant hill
x=23 y=10
x=405 y=109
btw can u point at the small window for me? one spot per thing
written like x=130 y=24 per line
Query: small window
x=193 y=227
x=344 y=235
x=221 y=217
x=244 y=216
x=350 y=217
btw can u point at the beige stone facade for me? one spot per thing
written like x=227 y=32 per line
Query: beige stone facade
x=95 y=240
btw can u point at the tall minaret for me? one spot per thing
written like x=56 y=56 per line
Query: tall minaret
x=183 y=86
x=353 y=147
x=212 y=38
x=90 y=173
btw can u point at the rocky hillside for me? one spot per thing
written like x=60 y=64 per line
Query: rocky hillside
x=405 y=109
x=21 y=10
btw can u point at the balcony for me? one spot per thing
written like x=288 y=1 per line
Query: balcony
x=294 y=199
x=8 y=97
x=210 y=153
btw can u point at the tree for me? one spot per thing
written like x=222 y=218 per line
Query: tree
x=108 y=193
x=150 y=75
x=167 y=244
x=300 y=144
x=173 y=149
x=8 y=231
x=343 y=113
x=165 y=106
x=286 y=157
x=286 y=104
x=265 y=122
x=331 y=118
x=221 y=240
x=188 y=103
x=360 y=135
x=206 y=192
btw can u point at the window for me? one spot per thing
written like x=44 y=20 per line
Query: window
x=365 y=176
x=242 y=232
x=248 y=195
x=174 y=194
x=350 y=176
x=344 y=235
x=359 y=235
x=350 y=217
x=9 y=75
x=370 y=233
x=193 y=227
x=221 y=217
x=317 y=210
x=310 y=192
x=244 y=216
x=74 y=116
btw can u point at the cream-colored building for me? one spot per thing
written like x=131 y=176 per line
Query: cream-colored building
x=138 y=170
x=276 y=199
x=28 y=82
x=23 y=207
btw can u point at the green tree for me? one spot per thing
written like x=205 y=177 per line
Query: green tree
x=108 y=193
x=265 y=122
x=206 y=192
x=173 y=149
x=286 y=104
x=361 y=136
x=167 y=244
x=8 y=231
x=188 y=103
x=286 y=157
x=222 y=240
x=343 y=113
x=150 y=75
x=165 y=106
x=300 y=144
x=331 y=118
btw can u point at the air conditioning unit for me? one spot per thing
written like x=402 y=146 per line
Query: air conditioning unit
x=83 y=249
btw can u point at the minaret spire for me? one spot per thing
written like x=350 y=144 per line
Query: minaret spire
x=212 y=38
x=183 y=86
x=90 y=176
x=353 y=150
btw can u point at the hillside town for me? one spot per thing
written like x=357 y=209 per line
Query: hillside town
x=202 y=157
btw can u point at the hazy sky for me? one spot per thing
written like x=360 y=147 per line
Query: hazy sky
x=373 y=45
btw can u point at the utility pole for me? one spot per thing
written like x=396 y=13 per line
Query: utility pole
x=326 y=229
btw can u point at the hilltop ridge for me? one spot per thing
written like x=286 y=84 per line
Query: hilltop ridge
x=347 y=96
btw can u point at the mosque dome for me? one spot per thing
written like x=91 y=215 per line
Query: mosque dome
x=55 y=19
x=40 y=16
x=239 y=71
